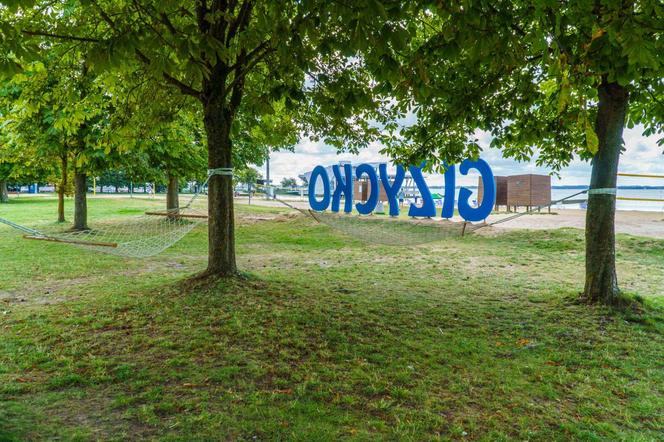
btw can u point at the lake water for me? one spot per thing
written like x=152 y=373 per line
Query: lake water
x=649 y=206
x=556 y=194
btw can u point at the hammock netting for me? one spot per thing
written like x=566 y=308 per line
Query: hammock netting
x=137 y=237
x=383 y=229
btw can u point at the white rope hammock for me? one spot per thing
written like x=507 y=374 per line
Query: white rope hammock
x=138 y=237
x=403 y=232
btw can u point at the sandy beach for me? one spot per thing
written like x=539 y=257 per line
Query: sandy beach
x=633 y=222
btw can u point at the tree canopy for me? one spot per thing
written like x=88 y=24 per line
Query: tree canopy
x=526 y=72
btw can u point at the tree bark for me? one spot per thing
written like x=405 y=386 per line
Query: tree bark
x=80 y=201
x=601 y=280
x=221 y=228
x=172 y=193
x=62 y=189
x=4 y=195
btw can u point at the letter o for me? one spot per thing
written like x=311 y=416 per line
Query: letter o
x=319 y=172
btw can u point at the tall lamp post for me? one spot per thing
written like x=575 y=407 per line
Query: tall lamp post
x=268 y=183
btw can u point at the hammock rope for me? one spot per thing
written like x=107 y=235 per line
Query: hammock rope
x=538 y=208
x=401 y=232
x=388 y=230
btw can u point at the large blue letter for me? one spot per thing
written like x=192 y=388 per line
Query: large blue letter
x=450 y=190
x=370 y=205
x=489 y=199
x=392 y=191
x=344 y=186
x=319 y=206
x=428 y=208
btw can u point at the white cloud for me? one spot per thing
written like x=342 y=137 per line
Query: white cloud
x=642 y=155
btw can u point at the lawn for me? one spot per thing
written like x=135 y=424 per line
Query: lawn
x=326 y=338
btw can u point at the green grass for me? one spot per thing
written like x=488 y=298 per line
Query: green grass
x=328 y=338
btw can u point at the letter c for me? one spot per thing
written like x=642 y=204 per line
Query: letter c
x=484 y=210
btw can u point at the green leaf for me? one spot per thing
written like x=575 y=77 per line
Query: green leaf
x=548 y=87
x=564 y=96
x=592 y=142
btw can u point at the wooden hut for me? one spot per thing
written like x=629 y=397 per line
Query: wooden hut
x=362 y=190
x=528 y=190
x=501 y=191
x=359 y=190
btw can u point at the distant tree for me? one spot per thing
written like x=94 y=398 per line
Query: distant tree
x=30 y=143
x=176 y=150
x=249 y=176
x=58 y=110
x=116 y=178
x=288 y=182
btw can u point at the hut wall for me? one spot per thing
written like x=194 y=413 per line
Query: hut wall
x=528 y=190
x=382 y=195
x=358 y=191
x=501 y=190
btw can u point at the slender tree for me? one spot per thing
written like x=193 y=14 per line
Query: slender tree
x=5 y=173
x=30 y=143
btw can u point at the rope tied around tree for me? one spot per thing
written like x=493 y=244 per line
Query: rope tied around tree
x=603 y=191
x=224 y=171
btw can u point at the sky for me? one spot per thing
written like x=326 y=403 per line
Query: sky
x=642 y=155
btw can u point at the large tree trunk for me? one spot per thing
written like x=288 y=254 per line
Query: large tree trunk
x=172 y=193
x=601 y=281
x=61 y=190
x=4 y=195
x=221 y=229
x=80 y=201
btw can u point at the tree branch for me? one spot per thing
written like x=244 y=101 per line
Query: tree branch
x=240 y=74
x=248 y=57
x=201 y=10
x=241 y=22
x=167 y=22
x=60 y=36
x=184 y=88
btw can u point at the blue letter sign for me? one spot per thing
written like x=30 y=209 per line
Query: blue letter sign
x=344 y=186
x=450 y=189
x=428 y=208
x=319 y=206
x=392 y=191
x=370 y=205
x=489 y=199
